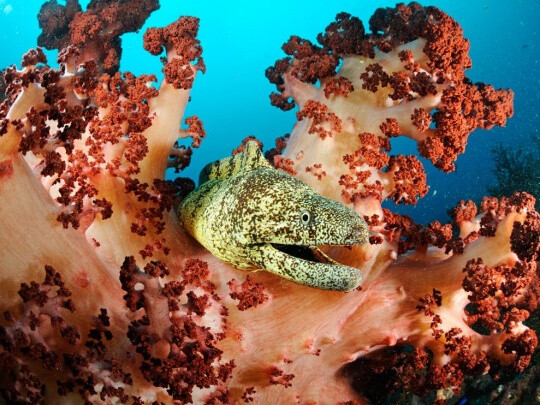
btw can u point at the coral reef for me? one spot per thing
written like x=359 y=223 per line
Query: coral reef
x=105 y=297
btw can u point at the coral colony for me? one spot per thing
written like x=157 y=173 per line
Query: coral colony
x=106 y=298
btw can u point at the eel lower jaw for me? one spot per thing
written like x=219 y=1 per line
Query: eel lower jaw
x=306 y=265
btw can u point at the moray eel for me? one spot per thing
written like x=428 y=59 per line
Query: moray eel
x=255 y=217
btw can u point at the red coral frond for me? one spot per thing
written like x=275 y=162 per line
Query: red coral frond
x=338 y=87
x=250 y=294
x=324 y=123
x=390 y=127
x=429 y=301
x=409 y=179
x=316 y=170
x=421 y=119
x=311 y=61
x=287 y=165
x=374 y=78
x=95 y=31
x=195 y=130
x=281 y=144
x=180 y=40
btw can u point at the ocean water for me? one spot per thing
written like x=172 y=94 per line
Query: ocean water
x=242 y=38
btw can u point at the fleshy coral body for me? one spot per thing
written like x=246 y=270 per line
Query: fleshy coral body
x=132 y=308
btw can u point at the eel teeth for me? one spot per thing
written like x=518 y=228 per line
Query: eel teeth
x=321 y=256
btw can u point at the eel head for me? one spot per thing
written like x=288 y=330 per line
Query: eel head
x=283 y=221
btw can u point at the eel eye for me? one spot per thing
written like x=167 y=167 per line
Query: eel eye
x=306 y=217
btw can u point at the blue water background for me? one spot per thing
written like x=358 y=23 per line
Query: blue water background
x=242 y=38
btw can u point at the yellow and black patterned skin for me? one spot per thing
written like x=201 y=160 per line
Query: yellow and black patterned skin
x=255 y=217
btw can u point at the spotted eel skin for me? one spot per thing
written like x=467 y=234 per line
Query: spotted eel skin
x=252 y=216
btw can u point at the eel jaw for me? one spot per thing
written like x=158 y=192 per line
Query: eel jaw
x=308 y=266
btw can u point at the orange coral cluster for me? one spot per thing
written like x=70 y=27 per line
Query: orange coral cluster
x=96 y=31
x=133 y=310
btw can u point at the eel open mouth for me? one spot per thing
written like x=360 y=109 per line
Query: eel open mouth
x=308 y=253
x=306 y=265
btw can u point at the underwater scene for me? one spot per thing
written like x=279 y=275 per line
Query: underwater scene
x=269 y=202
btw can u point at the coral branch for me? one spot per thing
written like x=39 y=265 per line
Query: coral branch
x=96 y=31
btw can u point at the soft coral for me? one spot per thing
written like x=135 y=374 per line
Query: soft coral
x=179 y=323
